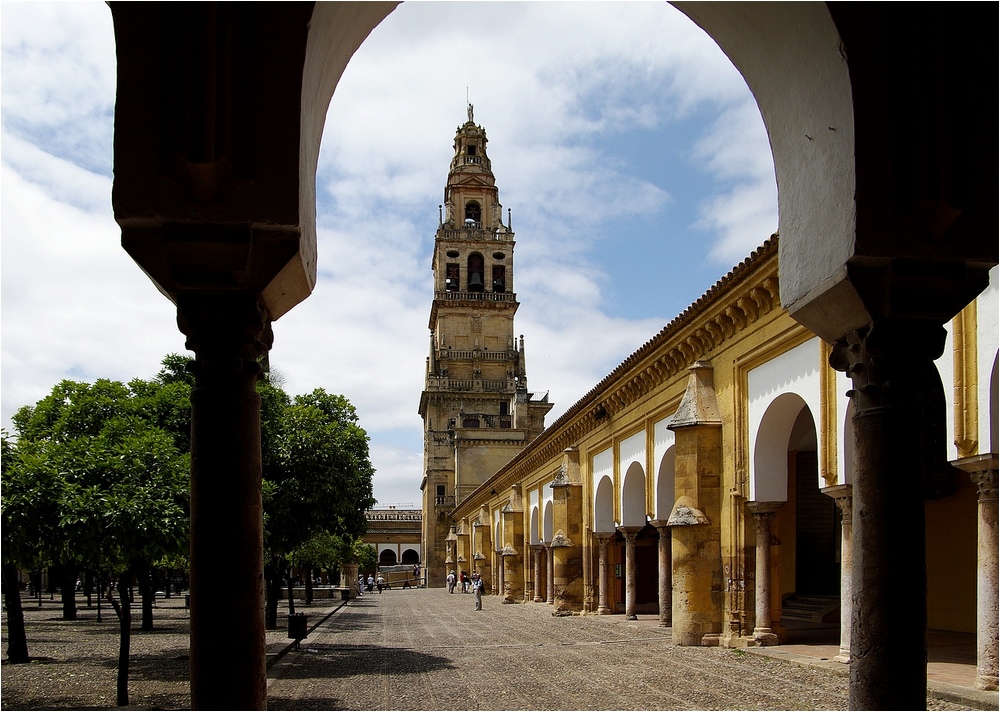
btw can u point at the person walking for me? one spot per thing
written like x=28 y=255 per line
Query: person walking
x=380 y=582
x=464 y=578
x=371 y=583
x=477 y=591
x=361 y=585
x=451 y=581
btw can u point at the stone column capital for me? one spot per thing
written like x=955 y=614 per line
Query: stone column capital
x=603 y=536
x=660 y=524
x=764 y=509
x=843 y=496
x=983 y=471
x=629 y=533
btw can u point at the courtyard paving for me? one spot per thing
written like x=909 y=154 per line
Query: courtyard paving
x=429 y=650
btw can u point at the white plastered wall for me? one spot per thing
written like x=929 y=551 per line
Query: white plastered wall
x=988 y=342
x=632 y=453
x=603 y=465
x=663 y=440
x=794 y=371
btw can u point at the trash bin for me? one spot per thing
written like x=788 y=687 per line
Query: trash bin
x=297 y=627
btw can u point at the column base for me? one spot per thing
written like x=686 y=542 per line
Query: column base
x=764 y=636
x=843 y=657
x=603 y=611
x=986 y=682
x=632 y=617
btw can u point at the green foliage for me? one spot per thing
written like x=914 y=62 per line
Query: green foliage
x=95 y=478
x=323 y=549
x=318 y=477
x=365 y=555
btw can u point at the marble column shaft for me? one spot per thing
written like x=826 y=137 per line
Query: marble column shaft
x=602 y=540
x=630 y=573
x=763 y=515
x=664 y=571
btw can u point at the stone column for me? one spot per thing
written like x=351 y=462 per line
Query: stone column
x=482 y=561
x=602 y=539
x=227 y=334
x=550 y=589
x=763 y=515
x=498 y=562
x=536 y=552
x=663 y=567
x=899 y=454
x=983 y=470
x=629 y=533
x=842 y=496
x=566 y=546
x=349 y=578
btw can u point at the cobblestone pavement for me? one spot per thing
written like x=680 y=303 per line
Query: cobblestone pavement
x=428 y=649
x=419 y=649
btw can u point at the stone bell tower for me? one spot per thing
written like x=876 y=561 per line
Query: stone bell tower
x=476 y=407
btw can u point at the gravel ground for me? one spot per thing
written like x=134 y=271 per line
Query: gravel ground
x=421 y=649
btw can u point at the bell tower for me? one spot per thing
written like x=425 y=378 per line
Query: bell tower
x=475 y=405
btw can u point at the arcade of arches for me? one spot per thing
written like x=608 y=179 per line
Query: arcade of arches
x=882 y=122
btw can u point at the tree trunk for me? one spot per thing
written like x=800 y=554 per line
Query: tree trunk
x=88 y=587
x=124 y=611
x=291 y=598
x=145 y=584
x=17 y=639
x=67 y=585
x=272 y=578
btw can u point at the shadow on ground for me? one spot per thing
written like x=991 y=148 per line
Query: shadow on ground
x=341 y=661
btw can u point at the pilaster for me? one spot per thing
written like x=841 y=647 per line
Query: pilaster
x=566 y=545
x=694 y=520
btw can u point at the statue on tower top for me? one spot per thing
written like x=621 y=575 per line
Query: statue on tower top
x=469 y=109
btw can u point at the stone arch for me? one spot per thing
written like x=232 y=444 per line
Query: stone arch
x=409 y=557
x=634 y=496
x=665 y=492
x=769 y=457
x=547 y=521
x=994 y=408
x=387 y=557
x=604 y=506
x=533 y=527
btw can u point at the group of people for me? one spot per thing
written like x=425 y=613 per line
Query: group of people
x=370 y=584
x=473 y=583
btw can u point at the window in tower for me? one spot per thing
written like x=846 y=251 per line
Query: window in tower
x=473 y=215
x=470 y=150
x=451 y=277
x=505 y=421
x=499 y=278
x=476 y=283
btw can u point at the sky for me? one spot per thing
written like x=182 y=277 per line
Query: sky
x=628 y=149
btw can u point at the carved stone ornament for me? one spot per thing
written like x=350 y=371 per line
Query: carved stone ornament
x=559 y=539
x=685 y=515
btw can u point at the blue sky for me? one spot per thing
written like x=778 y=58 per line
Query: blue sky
x=628 y=149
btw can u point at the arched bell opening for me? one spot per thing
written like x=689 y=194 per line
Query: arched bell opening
x=476 y=273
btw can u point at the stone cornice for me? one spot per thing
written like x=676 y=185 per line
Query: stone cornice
x=742 y=297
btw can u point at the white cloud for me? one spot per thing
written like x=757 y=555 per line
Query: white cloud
x=555 y=84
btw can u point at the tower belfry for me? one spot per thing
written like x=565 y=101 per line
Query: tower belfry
x=475 y=405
